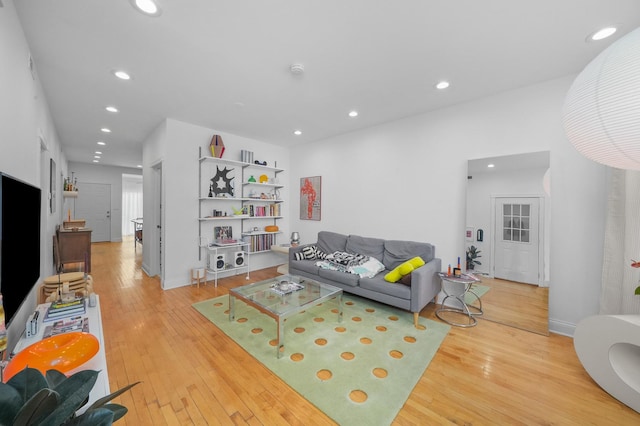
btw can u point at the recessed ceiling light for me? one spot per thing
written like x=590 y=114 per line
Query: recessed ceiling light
x=491 y=166
x=99 y=152
x=139 y=166
x=442 y=85
x=148 y=7
x=297 y=132
x=353 y=114
x=105 y=130
x=96 y=161
x=111 y=109
x=96 y=156
x=122 y=75
x=101 y=143
x=602 y=34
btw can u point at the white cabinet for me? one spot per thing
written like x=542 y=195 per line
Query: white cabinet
x=237 y=201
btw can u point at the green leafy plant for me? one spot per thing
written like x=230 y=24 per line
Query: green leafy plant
x=472 y=254
x=31 y=398
x=637 y=292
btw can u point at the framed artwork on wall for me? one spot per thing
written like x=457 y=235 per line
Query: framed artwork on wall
x=469 y=234
x=310 y=198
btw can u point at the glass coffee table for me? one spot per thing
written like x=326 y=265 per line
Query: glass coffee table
x=282 y=297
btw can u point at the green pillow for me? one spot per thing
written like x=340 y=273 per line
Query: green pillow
x=404 y=269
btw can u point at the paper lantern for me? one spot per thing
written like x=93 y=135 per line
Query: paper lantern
x=601 y=114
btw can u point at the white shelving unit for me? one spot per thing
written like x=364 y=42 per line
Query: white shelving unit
x=247 y=208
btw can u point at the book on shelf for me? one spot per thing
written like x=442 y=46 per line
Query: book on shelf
x=59 y=305
x=77 y=323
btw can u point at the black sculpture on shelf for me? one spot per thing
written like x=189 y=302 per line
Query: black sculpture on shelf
x=221 y=182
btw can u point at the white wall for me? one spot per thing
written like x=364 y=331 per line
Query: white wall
x=176 y=148
x=24 y=120
x=407 y=180
x=107 y=175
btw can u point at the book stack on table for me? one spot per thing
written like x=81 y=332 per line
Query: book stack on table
x=60 y=309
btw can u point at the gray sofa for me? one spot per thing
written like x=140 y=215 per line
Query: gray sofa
x=425 y=283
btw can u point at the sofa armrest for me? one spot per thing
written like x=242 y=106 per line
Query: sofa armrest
x=425 y=284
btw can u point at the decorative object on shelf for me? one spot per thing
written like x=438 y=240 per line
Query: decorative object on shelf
x=222 y=182
x=251 y=179
x=264 y=178
x=260 y=163
x=310 y=198
x=271 y=228
x=246 y=156
x=216 y=146
x=223 y=234
x=211 y=190
x=70 y=395
x=295 y=239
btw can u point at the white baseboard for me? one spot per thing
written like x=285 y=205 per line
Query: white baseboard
x=561 y=327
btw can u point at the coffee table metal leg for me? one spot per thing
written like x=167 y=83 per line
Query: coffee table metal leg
x=280 y=343
x=339 y=307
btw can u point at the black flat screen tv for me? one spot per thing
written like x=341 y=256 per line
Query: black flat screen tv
x=20 y=243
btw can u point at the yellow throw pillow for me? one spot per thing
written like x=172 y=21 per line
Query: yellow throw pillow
x=404 y=269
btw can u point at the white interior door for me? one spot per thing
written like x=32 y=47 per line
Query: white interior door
x=94 y=206
x=517 y=254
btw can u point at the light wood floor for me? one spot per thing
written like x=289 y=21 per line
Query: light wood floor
x=192 y=373
x=519 y=305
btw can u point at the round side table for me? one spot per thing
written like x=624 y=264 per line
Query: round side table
x=457 y=288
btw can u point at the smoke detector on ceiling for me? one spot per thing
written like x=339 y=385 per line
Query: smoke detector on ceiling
x=297 y=69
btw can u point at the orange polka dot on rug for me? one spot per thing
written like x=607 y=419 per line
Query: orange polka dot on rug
x=365 y=341
x=299 y=330
x=396 y=354
x=393 y=318
x=381 y=328
x=320 y=341
x=358 y=396
x=409 y=339
x=297 y=357
x=257 y=330
x=340 y=329
x=318 y=319
x=347 y=356
x=242 y=320
x=380 y=373
x=370 y=310
x=324 y=374
x=350 y=303
x=356 y=319
x=218 y=304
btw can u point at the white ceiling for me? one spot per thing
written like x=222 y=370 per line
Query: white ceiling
x=224 y=64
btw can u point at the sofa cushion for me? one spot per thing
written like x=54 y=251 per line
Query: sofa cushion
x=397 y=252
x=329 y=242
x=404 y=269
x=306 y=266
x=373 y=247
x=379 y=285
x=341 y=277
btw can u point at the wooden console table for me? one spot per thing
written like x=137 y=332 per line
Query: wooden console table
x=75 y=246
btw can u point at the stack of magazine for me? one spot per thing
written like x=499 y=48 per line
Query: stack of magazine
x=65 y=309
x=66 y=326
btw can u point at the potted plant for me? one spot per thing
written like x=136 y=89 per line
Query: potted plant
x=31 y=398
x=472 y=254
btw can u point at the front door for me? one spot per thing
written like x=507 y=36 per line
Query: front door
x=94 y=206
x=517 y=240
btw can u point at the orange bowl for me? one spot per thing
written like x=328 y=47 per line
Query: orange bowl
x=63 y=352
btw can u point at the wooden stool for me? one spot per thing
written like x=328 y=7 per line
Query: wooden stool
x=198 y=274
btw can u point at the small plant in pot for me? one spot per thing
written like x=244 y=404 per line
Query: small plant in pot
x=31 y=398
x=472 y=254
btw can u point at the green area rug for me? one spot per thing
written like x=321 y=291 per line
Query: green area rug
x=479 y=289
x=359 y=371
